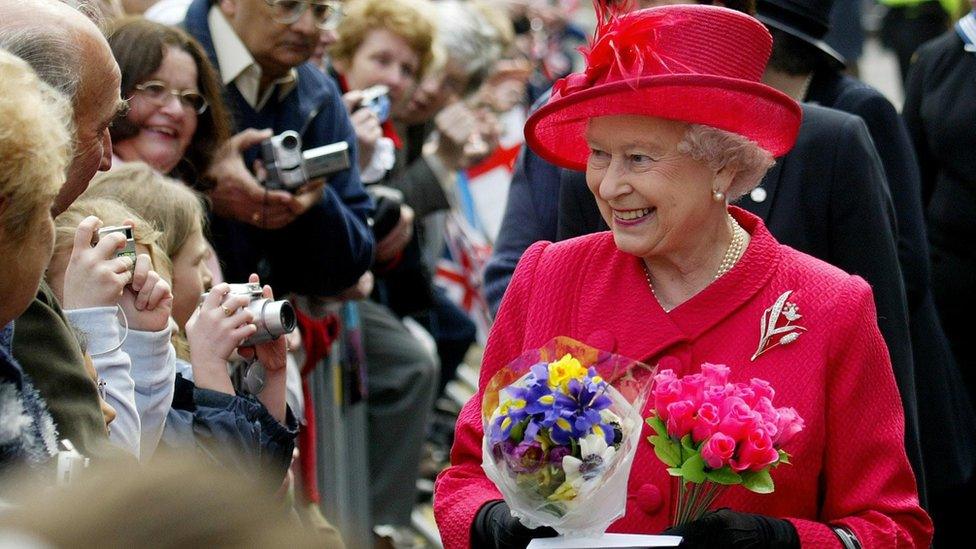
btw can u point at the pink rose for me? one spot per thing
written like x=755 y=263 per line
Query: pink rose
x=692 y=388
x=715 y=374
x=716 y=394
x=681 y=418
x=755 y=453
x=717 y=451
x=706 y=421
x=746 y=393
x=764 y=407
x=789 y=424
x=761 y=388
x=740 y=422
x=667 y=389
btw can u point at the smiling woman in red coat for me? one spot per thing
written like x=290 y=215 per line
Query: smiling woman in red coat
x=670 y=122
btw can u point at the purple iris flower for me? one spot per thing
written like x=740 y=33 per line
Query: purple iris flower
x=527 y=457
x=584 y=400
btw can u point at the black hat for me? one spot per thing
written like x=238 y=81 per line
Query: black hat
x=808 y=20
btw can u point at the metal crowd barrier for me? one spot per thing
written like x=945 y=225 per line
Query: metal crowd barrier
x=343 y=471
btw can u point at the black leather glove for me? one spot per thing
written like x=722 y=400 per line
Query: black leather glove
x=728 y=529
x=495 y=527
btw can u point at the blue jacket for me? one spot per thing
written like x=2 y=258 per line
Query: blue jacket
x=330 y=246
x=235 y=432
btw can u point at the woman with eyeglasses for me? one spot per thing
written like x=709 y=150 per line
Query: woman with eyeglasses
x=177 y=119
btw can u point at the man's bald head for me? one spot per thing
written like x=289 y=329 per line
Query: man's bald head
x=68 y=51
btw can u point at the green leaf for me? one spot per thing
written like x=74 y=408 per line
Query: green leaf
x=674 y=471
x=688 y=448
x=693 y=469
x=659 y=427
x=518 y=430
x=724 y=476
x=760 y=483
x=784 y=457
x=666 y=450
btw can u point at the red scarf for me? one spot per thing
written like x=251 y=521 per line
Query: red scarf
x=318 y=334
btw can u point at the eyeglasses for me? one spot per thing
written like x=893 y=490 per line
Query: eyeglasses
x=325 y=13
x=159 y=93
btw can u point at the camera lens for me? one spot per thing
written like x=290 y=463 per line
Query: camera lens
x=289 y=142
x=287 y=315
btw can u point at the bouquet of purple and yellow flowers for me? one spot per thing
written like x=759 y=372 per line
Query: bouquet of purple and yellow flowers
x=562 y=424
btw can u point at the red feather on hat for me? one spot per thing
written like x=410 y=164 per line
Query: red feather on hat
x=625 y=45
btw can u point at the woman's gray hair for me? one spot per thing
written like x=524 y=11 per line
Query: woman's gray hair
x=468 y=39
x=720 y=149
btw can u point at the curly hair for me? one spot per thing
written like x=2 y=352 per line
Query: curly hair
x=720 y=149
x=139 y=46
x=408 y=19
x=35 y=144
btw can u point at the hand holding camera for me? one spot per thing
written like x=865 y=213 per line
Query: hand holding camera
x=99 y=267
x=275 y=319
x=148 y=300
x=214 y=330
x=237 y=194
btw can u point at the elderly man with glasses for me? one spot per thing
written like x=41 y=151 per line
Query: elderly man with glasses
x=261 y=50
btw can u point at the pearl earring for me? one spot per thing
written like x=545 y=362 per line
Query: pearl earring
x=718 y=196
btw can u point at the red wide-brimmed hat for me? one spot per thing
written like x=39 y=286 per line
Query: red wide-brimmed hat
x=696 y=64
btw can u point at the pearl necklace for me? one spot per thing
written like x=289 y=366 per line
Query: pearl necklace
x=734 y=252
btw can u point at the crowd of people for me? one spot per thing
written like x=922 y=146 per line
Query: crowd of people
x=202 y=201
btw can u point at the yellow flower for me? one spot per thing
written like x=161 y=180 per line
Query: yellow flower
x=565 y=369
x=565 y=492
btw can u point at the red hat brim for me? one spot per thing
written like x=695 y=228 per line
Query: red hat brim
x=556 y=132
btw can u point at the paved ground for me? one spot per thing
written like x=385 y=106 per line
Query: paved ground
x=879 y=68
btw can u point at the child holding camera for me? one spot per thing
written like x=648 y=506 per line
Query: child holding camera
x=207 y=413
x=94 y=277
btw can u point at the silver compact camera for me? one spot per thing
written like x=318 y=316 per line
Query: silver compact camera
x=273 y=318
x=129 y=250
x=289 y=167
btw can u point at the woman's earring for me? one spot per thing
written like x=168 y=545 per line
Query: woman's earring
x=718 y=196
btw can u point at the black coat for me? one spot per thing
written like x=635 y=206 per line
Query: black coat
x=827 y=197
x=947 y=425
x=940 y=110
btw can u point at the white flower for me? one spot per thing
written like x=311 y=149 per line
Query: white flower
x=608 y=417
x=595 y=457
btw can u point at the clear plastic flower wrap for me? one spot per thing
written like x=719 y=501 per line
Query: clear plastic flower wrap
x=562 y=424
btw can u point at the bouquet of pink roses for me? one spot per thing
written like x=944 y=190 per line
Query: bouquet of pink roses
x=562 y=424
x=713 y=434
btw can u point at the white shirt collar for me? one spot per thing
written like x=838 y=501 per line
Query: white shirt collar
x=238 y=66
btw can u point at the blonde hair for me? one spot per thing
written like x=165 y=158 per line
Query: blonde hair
x=174 y=209
x=35 y=144
x=112 y=213
x=411 y=20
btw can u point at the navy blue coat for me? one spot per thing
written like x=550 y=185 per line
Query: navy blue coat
x=328 y=247
x=230 y=431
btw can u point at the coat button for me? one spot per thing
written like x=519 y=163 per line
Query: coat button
x=602 y=340
x=649 y=499
x=758 y=194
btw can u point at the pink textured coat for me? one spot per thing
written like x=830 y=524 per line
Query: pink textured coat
x=849 y=465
